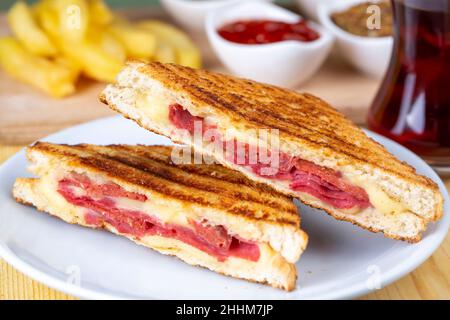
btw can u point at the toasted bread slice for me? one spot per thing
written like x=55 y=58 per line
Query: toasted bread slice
x=144 y=181
x=401 y=201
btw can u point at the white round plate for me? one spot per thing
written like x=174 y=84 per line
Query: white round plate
x=341 y=261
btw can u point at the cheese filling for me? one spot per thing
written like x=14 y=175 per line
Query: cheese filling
x=363 y=195
x=109 y=203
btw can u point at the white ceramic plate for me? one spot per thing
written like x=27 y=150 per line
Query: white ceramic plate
x=341 y=261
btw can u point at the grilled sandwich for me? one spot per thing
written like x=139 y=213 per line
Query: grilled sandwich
x=323 y=158
x=206 y=215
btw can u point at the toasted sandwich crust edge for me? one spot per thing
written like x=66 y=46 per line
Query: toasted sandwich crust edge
x=412 y=239
x=284 y=236
x=286 y=272
x=420 y=223
x=194 y=97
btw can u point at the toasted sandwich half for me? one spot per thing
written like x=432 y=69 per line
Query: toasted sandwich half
x=206 y=215
x=324 y=159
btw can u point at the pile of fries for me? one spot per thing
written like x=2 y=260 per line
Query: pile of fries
x=53 y=42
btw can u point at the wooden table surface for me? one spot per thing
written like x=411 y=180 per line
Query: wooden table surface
x=430 y=281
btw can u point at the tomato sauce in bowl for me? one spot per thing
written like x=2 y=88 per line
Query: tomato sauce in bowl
x=267 y=31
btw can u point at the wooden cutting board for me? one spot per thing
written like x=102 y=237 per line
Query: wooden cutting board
x=27 y=115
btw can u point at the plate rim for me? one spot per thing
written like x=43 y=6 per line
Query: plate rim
x=354 y=290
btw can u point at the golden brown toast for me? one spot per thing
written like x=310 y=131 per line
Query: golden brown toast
x=213 y=193
x=151 y=168
x=308 y=128
x=300 y=117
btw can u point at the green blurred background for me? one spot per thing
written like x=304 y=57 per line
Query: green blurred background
x=5 y=4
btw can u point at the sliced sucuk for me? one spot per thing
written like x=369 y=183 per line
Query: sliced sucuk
x=305 y=176
x=215 y=235
x=244 y=249
x=308 y=183
x=182 y=118
x=106 y=189
x=214 y=240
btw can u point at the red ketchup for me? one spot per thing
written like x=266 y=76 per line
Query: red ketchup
x=267 y=31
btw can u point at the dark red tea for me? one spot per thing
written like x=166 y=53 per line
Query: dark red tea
x=413 y=103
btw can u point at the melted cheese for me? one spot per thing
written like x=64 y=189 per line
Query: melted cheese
x=157 y=110
x=154 y=107
x=74 y=214
x=48 y=187
x=194 y=255
x=379 y=199
x=382 y=202
x=172 y=214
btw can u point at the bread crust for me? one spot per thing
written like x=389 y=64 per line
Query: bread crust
x=303 y=120
x=326 y=133
x=284 y=273
x=300 y=117
x=150 y=168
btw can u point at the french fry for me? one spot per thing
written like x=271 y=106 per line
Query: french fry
x=187 y=53
x=57 y=40
x=100 y=13
x=98 y=64
x=95 y=62
x=138 y=43
x=73 y=68
x=27 y=31
x=165 y=53
x=47 y=17
x=72 y=19
x=52 y=78
x=67 y=19
x=107 y=42
x=90 y=49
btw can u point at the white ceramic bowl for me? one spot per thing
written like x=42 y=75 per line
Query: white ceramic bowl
x=191 y=13
x=285 y=63
x=309 y=7
x=370 y=55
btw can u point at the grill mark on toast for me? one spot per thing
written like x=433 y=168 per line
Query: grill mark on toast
x=82 y=156
x=412 y=177
x=236 y=101
x=170 y=172
x=169 y=178
x=290 y=126
x=359 y=147
x=222 y=173
x=217 y=171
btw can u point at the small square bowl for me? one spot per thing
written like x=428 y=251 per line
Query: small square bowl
x=368 y=54
x=191 y=14
x=285 y=63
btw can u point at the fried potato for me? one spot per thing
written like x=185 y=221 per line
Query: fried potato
x=100 y=13
x=47 y=17
x=107 y=42
x=98 y=64
x=53 y=78
x=138 y=43
x=73 y=67
x=95 y=62
x=165 y=53
x=67 y=19
x=72 y=19
x=57 y=40
x=26 y=30
x=187 y=53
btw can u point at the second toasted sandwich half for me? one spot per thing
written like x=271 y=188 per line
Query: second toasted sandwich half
x=324 y=159
x=206 y=215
